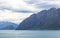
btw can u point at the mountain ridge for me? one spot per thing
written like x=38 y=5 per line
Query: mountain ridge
x=5 y=25
x=46 y=19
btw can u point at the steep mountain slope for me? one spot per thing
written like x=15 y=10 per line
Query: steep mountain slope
x=46 y=19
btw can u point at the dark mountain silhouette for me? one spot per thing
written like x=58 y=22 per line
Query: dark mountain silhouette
x=7 y=25
x=46 y=19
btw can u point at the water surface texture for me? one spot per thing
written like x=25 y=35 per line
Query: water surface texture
x=30 y=34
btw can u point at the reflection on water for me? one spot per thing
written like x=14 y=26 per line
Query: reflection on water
x=30 y=34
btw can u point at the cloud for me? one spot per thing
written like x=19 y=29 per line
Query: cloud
x=31 y=1
x=23 y=11
x=17 y=10
x=14 y=10
x=16 y=5
x=13 y=16
x=44 y=4
x=28 y=6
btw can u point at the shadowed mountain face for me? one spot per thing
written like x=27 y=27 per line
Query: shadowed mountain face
x=46 y=19
x=7 y=26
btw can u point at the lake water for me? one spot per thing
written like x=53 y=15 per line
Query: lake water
x=30 y=34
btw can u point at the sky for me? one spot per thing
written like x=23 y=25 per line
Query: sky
x=17 y=10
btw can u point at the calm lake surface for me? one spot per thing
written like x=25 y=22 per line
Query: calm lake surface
x=30 y=34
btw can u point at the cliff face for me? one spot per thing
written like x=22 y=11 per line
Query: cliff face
x=46 y=19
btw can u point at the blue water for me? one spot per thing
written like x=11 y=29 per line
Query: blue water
x=30 y=34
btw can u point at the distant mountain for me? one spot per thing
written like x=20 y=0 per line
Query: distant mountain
x=46 y=19
x=7 y=25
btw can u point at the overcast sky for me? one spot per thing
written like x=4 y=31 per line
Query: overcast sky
x=17 y=10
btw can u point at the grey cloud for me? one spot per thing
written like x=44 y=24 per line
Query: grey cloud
x=15 y=10
x=36 y=4
x=41 y=5
x=23 y=11
x=31 y=1
x=45 y=5
x=4 y=8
